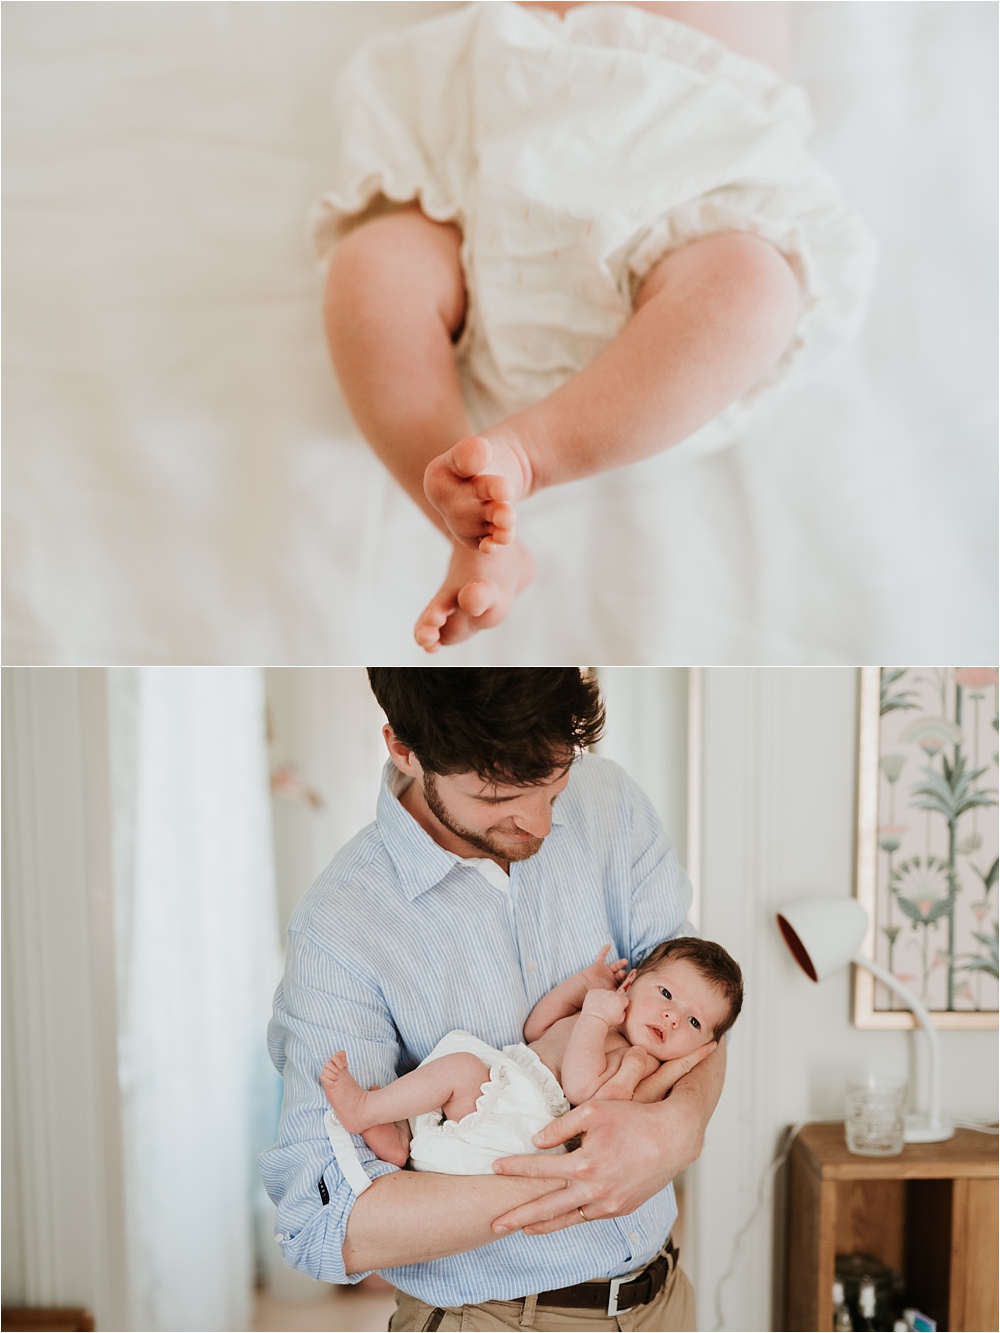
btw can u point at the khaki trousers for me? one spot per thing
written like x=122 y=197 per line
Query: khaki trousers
x=672 y=1311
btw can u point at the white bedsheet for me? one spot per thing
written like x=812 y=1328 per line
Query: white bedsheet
x=184 y=484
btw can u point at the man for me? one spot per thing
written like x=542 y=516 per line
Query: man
x=501 y=860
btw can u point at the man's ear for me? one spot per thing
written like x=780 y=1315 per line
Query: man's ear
x=628 y=981
x=401 y=755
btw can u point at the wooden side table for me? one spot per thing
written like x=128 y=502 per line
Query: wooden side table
x=931 y=1213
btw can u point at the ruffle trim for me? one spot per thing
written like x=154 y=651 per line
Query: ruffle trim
x=555 y=1103
x=338 y=211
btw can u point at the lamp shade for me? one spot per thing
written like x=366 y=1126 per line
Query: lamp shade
x=823 y=934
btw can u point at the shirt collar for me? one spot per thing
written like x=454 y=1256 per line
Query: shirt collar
x=419 y=861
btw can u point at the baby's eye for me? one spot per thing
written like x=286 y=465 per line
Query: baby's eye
x=665 y=993
x=695 y=1024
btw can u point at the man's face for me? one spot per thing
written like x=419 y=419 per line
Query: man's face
x=468 y=815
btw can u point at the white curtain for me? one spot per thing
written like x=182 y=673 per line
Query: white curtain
x=198 y=960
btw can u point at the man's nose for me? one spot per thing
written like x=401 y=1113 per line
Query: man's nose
x=535 y=816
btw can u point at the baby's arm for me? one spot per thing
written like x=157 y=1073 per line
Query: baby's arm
x=585 y=1065
x=567 y=998
x=655 y=1086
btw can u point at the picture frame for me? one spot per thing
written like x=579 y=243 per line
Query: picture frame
x=927 y=843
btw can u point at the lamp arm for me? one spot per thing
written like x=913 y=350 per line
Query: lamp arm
x=924 y=1018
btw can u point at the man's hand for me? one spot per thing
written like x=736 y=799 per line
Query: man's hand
x=608 y=1005
x=604 y=975
x=630 y=1151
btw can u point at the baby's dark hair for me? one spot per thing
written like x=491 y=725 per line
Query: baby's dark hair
x=714 y=964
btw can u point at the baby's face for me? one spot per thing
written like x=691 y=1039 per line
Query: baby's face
x=673 y=1010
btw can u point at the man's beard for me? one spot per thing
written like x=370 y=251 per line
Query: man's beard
x=508 y=849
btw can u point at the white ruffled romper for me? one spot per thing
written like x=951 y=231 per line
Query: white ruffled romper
x=575 y=152
x=522 y=1096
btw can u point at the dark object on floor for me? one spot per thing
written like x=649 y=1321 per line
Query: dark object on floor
x=39 y=1319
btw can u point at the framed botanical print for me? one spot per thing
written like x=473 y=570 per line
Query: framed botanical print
x=927 y=843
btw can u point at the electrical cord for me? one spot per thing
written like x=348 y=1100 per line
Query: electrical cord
x=763 y=1195
x=978 y=1125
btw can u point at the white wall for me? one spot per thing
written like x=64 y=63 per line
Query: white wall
x=778 y=823
x=326 y=725
x=647 y=733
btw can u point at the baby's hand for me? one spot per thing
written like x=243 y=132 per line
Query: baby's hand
x=609 y=1005
x=602 y=975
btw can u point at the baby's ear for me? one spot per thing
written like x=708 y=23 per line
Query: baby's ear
x=628 y=980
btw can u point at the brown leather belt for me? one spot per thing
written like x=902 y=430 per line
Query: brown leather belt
x=621 y=1293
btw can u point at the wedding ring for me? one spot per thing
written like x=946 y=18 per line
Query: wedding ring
x=583 y=1215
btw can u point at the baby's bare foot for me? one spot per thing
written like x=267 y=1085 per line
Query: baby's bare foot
x=477 y=593
x=344 y=1093
x=473 y=486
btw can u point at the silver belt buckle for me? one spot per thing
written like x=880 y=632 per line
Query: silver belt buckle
x=616 y=1282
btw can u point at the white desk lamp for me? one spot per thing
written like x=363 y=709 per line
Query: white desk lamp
x=824 y=935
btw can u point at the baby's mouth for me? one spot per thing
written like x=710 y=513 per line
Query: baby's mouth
x=657 y=1032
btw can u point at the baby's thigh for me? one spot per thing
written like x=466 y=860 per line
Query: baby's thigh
x=748 y=263
x=463 y=1070
x=395 y=252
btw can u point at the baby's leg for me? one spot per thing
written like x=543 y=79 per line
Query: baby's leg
x=451 y=1084
x=711 y=319
x=395 y=301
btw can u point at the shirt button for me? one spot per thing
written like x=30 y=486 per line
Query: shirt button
x=532 y=965
x=634 y=1237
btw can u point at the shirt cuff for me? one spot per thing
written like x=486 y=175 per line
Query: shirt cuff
x=346 y=1154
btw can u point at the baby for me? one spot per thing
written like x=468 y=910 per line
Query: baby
x=598 y=1034
x=566 y=237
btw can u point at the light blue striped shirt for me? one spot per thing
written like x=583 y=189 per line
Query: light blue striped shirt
x=400 y=941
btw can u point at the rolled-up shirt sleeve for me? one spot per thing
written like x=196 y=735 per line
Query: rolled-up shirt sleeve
x=319 y=1008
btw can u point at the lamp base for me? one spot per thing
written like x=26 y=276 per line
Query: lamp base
x=920 y=1129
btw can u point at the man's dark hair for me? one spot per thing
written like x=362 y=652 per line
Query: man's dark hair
x=510 y=725
x=714 y=964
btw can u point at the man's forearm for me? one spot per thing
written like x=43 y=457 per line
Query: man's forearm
x=413 y=1216
x=698 y=1094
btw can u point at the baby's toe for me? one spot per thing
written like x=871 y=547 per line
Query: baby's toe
x=428 y=639
x=503 y=517
x=469 y=457
x=477 y=598
x=492 y=488
x=427 y=631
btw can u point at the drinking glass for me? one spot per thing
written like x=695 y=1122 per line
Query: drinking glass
x=876 y=1116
